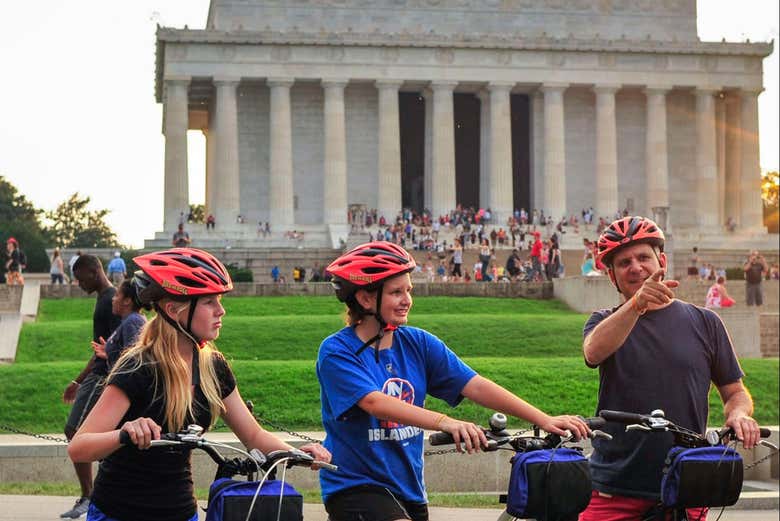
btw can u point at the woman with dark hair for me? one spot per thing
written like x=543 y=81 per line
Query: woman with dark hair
x=374 y=377
x=124 y=304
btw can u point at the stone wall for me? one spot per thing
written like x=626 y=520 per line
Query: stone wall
x=615 y=19
x=10 y=298
x=770 y=334
x=543 y=290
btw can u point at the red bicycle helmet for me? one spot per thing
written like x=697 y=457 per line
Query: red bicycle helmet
x=180 y=273
x=367 y=265
x=628 y=230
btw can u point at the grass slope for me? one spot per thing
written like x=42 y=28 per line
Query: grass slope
x=530 y=347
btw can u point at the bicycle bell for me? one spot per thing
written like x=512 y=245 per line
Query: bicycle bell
x=497 y=422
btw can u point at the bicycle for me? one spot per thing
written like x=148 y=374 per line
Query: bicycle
x=248 y=500
x=544 y=469
x=700 y=470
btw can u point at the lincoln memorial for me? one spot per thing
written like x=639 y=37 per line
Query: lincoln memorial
x=310 y=106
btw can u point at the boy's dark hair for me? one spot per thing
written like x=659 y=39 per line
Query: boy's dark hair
x=88 y=262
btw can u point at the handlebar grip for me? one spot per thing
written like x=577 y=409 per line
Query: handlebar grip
x=441 y=438
x=124 y=438
x=327 y=466
x=622 y=417
x=595 y=423
x=728 y=431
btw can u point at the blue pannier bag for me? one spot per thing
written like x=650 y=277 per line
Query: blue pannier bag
x=549 y=485
x=702 y=477
x=229 y=500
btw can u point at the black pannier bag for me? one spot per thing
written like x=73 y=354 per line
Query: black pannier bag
x=549 y=485
x=702 y=477
x=229 y=500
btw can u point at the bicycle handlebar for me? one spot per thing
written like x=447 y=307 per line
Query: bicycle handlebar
x=499 y=436
x=255 y=460
x=656 y=422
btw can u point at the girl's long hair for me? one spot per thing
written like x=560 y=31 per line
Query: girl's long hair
x=157 y=346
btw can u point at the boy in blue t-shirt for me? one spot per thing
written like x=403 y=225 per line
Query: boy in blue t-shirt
x=373 y=399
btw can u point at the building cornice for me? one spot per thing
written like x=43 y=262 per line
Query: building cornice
x=167 y=35
x=472 y=41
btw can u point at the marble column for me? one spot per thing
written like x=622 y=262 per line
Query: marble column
x=554 y=151
x=282 y=214
x=731 y=207
x=656 y=153
x=389 y=156
x=751 y=209
x=443 y=153
x=484 y=148
x=706 y=161
x=606 y=150
x=335 y=182
x=211 y=141
x=176 y=189
x=226 y=198
x=720 y=146
x=501 y=200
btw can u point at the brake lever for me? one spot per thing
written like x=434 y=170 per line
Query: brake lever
x=600 y=434
x=767 y=443
x=637 y=427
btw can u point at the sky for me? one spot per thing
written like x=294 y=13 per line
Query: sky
x=79 y=113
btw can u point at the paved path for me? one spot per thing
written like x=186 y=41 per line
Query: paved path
x=48 y=508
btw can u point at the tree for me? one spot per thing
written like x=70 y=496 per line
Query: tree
x=770 y=194
x=75 y=226
x=21 y=220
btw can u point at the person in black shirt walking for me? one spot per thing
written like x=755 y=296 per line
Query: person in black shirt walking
x=85 y=389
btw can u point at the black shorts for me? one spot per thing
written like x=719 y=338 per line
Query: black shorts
x=86 y=397
x=372 y=503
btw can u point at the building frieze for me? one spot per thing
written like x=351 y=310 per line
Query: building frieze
x=471 y=41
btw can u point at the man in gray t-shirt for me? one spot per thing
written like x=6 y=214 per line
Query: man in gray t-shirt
x=653 y=352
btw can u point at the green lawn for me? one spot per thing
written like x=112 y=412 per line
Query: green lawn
x=530 y=347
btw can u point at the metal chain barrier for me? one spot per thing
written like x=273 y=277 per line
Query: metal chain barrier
x=439 y=452
x=39 y=436
x=265 y=421
x=768 y=456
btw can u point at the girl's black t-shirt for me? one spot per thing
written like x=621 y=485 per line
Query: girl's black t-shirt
x=153 y=484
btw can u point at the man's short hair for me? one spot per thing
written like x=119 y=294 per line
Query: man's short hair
x=88 y=262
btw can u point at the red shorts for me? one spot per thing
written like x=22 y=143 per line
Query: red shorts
x=605 y=507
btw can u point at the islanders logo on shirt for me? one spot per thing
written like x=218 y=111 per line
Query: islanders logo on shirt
x=399 y=388
x=389 y=430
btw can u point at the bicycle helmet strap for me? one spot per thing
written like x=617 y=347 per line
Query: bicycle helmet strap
x=196 y=347
x=198 y=342
x=383 y=327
